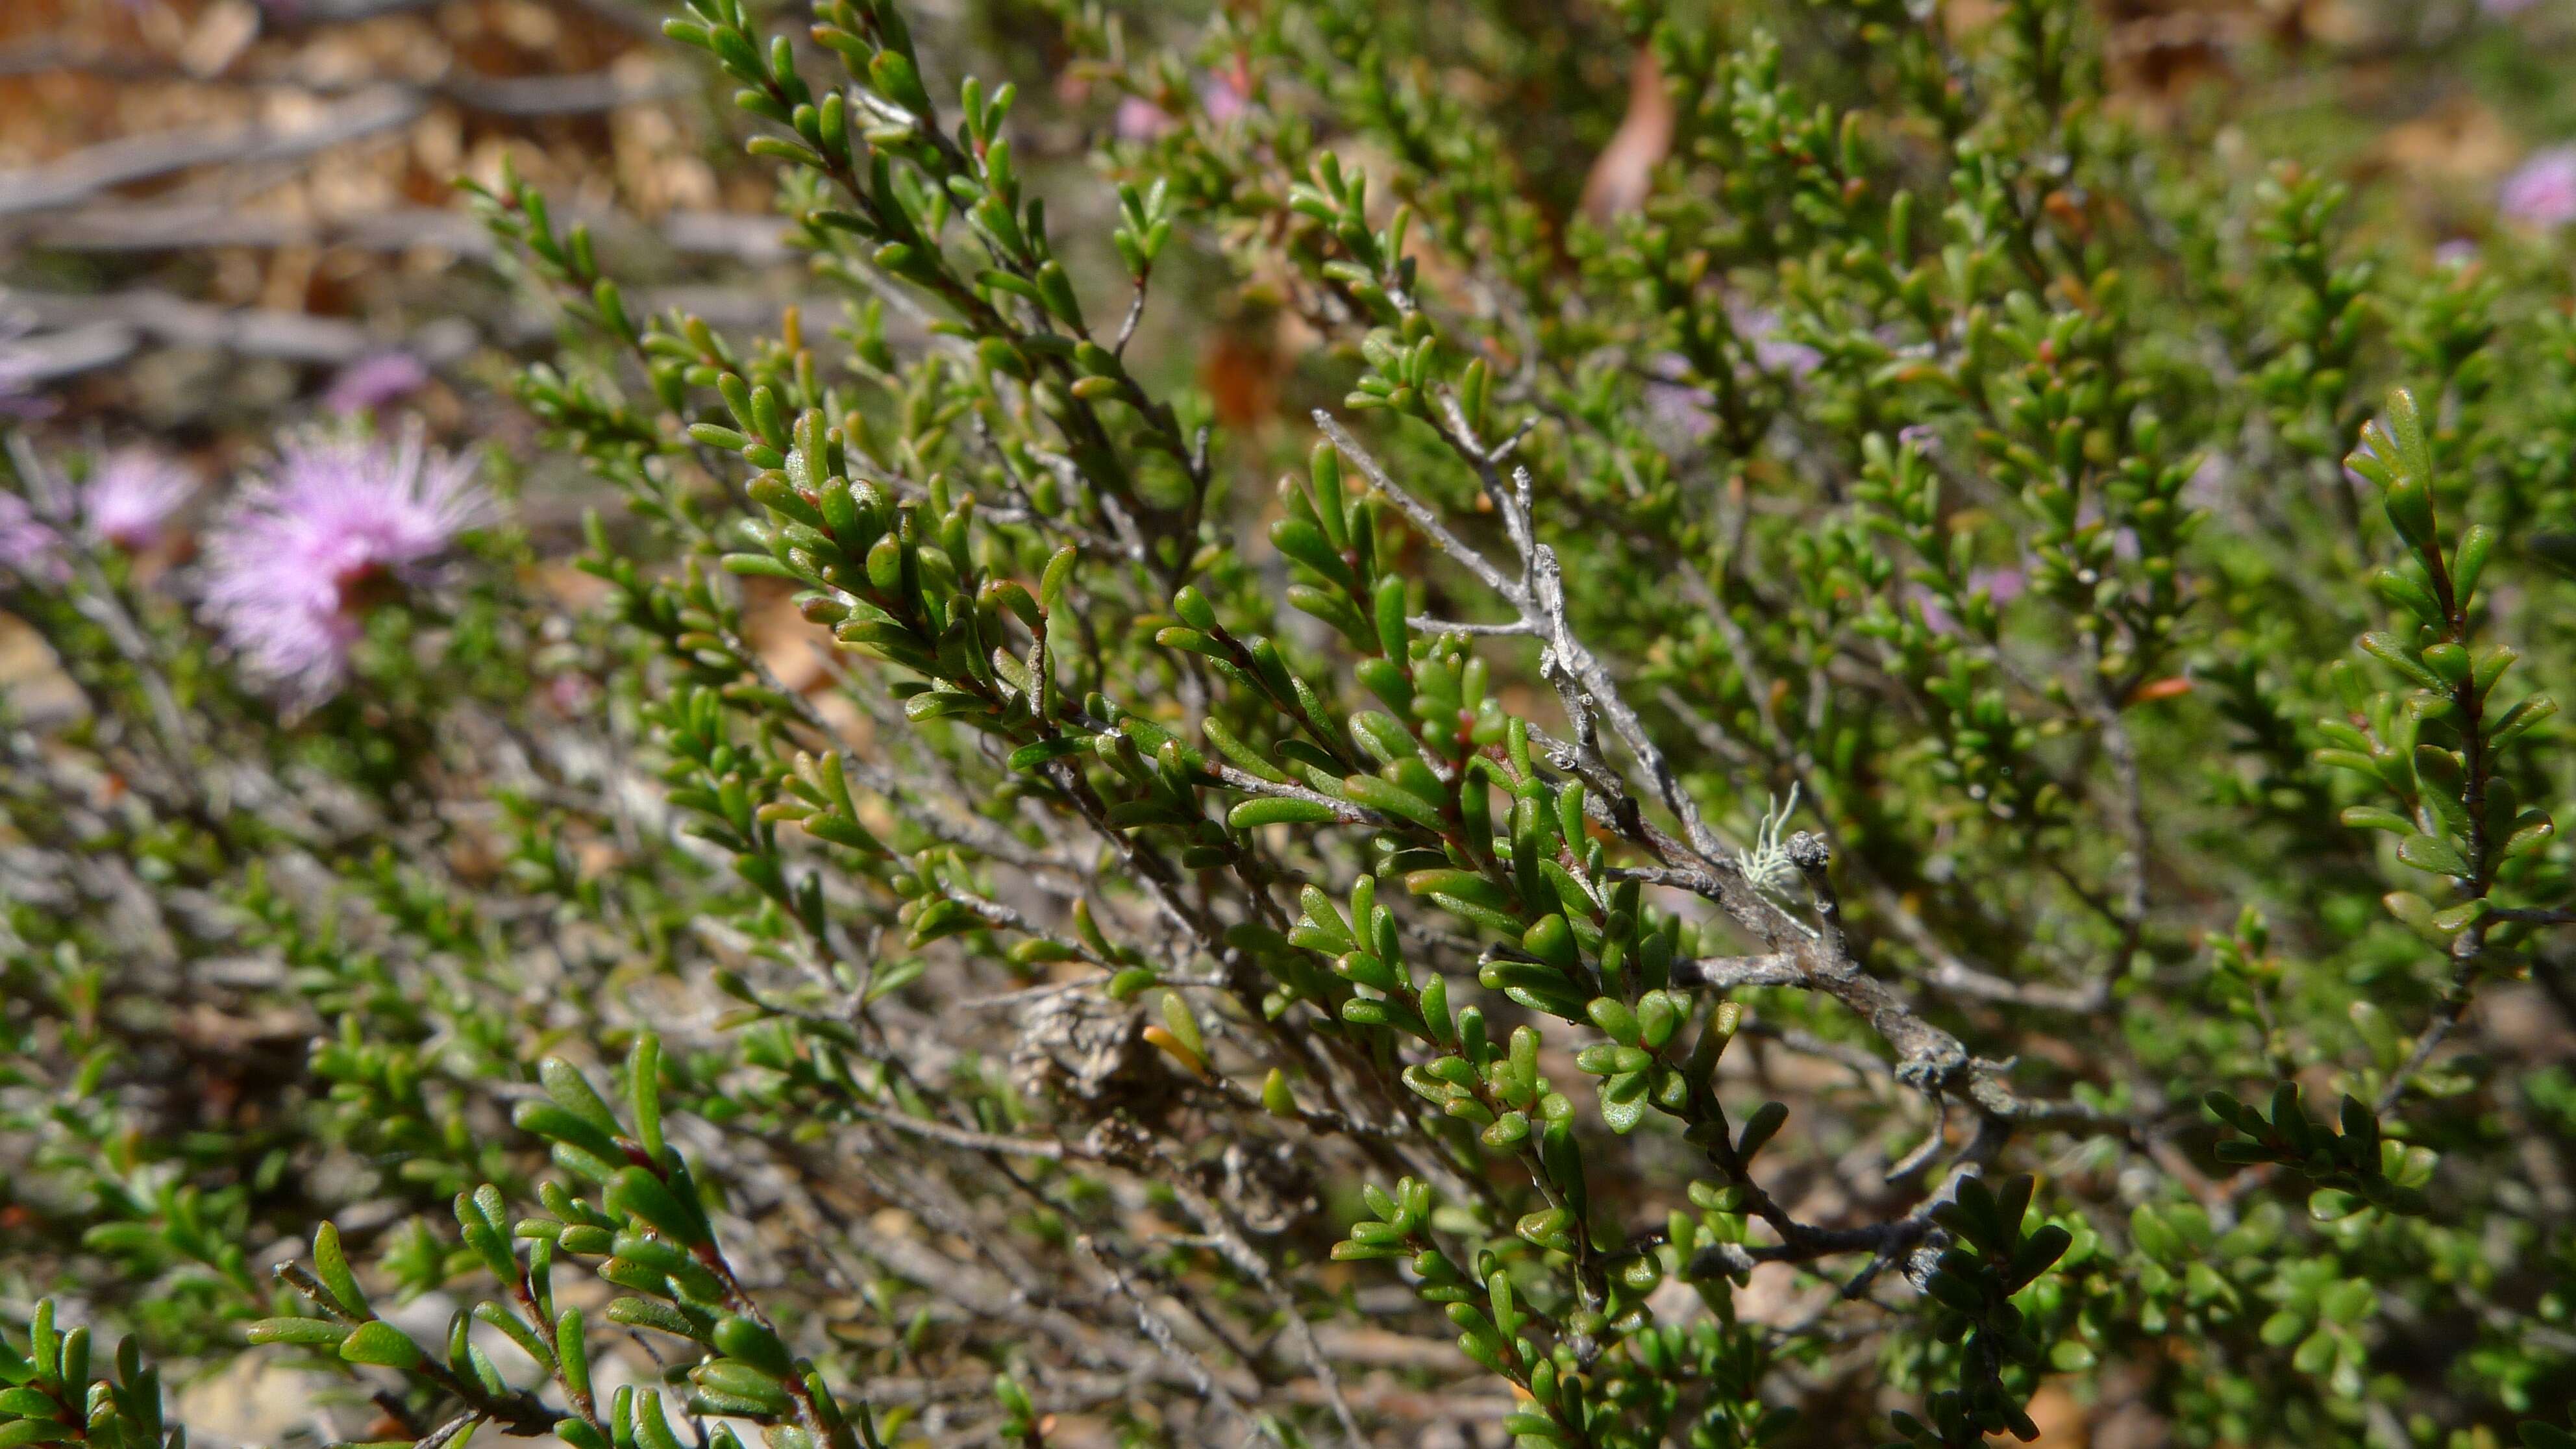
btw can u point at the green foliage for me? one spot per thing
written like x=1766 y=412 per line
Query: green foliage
x=1776 y=753
x=51 y=1396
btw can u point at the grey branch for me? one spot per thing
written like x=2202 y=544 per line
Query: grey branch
x=1586 y=687
x=85 y=173
x=172 y=226
x=1726 y=973
x=127 y=318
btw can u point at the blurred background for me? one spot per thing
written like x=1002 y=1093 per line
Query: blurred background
x=223 y=217
x=216 y=215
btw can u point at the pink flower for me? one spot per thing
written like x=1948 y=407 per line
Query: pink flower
x=371 y=382
x=1223 y=96
x=2210 y=480
x=1673 y=405
x=27 y=545
x=131 y=495
x=2543 y=192
x=1139 y=119
x=303 y=552
x=1680 y=408
x=571 y=693
x=2001 y=585
x=1772 y=351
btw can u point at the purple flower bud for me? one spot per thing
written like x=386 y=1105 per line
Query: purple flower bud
x=371 y=382
x=293 y=565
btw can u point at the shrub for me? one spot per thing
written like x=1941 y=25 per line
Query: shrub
x=1743 y=831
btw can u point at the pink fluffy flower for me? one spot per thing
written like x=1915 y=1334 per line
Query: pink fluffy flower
x=303 y=552
x=131 y=496
x=2542 y=192
x=27 y=546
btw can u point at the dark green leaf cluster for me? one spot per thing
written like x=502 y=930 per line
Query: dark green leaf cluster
x=2354 y=1167
x=48 y=1394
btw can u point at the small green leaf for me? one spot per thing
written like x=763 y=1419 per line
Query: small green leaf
x=640 y=1194
x=2431 y=852
x=297 y=1330
x=1615 y=1019
x=644 y=1092
x=378 y=1342
x=1758 y=1132
x=332 y=1267
x=754 y=1345
x=573 y=1092
x=1056 y=578
x=1275 y=810
x=1391 y=799
x=1030 y=756
x=1183 y=1026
